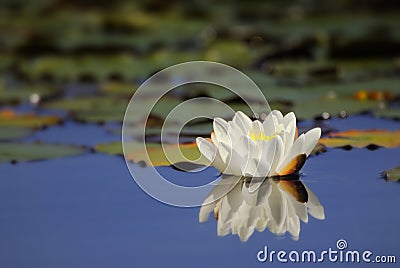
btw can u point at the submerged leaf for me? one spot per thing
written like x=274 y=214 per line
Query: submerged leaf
x=362 y=138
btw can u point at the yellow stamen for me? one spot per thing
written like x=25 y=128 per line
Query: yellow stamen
x=261 y=136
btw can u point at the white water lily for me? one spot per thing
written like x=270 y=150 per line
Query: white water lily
x=277 y=205
x=243 y=147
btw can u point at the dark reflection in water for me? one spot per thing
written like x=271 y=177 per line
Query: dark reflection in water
x=278 y=204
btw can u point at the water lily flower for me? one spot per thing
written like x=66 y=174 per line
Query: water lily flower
x=272 y=147
x=277 y=205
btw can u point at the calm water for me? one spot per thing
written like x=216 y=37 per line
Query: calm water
x=87 y=211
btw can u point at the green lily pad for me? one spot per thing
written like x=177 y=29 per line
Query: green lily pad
x=156 y=156
x=115 y=147
x=97 y=67
x=13 y=151
x=13 y=133
x=95 y=109
x=232 y=53
x=388 y=113
x=392 y=174
x=25 y=94
x=8 y=118
x=318 y=106
x=119 y=89
x=363 y=138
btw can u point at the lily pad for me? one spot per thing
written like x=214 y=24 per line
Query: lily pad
x=8 y=118
x=116 y=147
x=95 y=109
x=363 y=138
x=25 y=94
x=232 y=53
x=392 y=174
x=94 y=66
x=388 y=113
x=12 y=133
x=332 y=107
x=155 y=151
x=119 y=89
x=157 y=156
x=16 y=152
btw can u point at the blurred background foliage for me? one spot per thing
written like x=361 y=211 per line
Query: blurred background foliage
x=82 y=60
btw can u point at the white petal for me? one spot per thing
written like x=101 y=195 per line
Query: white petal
x=235 y=133
x=256 y=128
x=249 y=168
x=224 y=186
x=278 y=114
x=205 y=211
x=234 y=198
x=289 y=122
x=220 y=127
x=210 y=152
x=279 y=153
x=249 y=197
x=214 y=139
x=243 y=146
x=264 y=192
x=270 y=125
x=243 y=122
x=293 y=221
x=233 y=162
x=245 y=233
x=314 y=206
x=311 y=139
x=263 y=163
x=207 y=149
x=221 y=136
x=277 y=205
x=289 y=119
x=296 y=149
x=299 y=208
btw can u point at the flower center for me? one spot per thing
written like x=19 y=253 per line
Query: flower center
x=261 y=136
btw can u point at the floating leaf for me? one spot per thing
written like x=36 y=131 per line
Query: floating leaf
x=176 y=153
x=25 y=94
x=363 y=138
x=116 y=147
x=90 y=66
x=95 y=109
x=318 y=149
x=12 y=133
x=392 y=174
x=388 y=113
x=332 y=106
x=119 y=89
x=232 y=53
x=35 y=151
x=8 y=118
x=157 y=157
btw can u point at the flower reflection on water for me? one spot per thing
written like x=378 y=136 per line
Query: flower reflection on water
x=278 y=205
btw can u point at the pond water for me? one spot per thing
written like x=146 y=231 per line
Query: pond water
x=87 y=211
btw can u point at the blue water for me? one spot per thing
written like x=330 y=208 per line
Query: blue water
x=86 y=211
